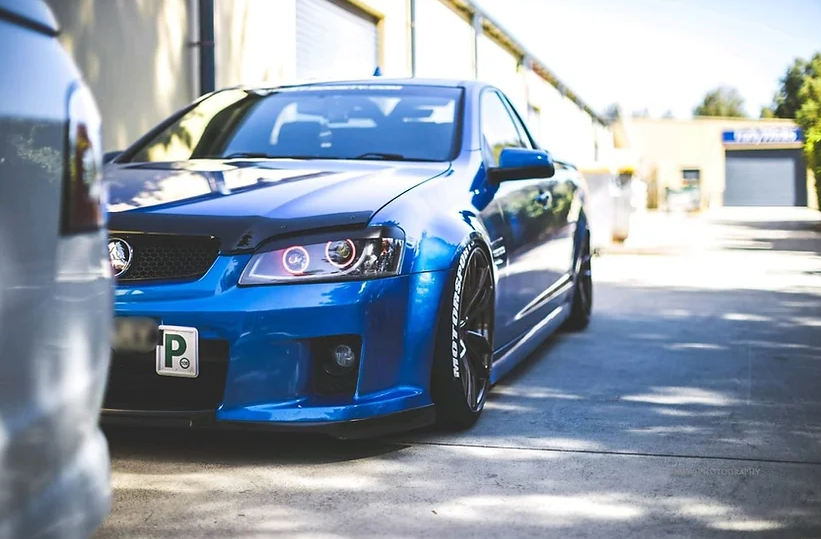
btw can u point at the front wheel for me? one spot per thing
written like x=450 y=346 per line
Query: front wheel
x=464 y=344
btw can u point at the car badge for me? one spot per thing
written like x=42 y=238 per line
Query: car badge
x=120 y=255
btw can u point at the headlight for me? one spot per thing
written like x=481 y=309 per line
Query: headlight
x=360 y=255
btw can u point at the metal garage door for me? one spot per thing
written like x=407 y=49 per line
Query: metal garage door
x=334 y=40
x=765 y=178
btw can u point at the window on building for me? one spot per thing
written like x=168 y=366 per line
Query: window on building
x=691 y=176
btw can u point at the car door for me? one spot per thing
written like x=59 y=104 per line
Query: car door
x=557 y=195
x=564 y=215
x=522 y=278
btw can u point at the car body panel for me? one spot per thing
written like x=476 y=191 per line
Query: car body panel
x=268 y=371
x=247 y=202
x=55 y=307
x=439 y=208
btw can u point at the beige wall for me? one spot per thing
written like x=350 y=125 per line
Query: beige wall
x=668 y=146
x=134 y=57
x=394 y=34
x=255 y=41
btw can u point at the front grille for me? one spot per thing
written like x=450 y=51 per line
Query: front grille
x=158 y=257
x=133 y=382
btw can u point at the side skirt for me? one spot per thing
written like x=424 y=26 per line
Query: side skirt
x=529 y=342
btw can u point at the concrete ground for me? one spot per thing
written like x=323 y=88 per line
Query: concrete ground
x=690 y=408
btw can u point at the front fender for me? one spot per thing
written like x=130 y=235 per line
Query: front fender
x=438 y=219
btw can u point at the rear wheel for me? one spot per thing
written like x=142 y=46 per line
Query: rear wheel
x=582 y=305
x=464 y=346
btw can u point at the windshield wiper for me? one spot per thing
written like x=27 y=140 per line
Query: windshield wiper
x=380 y=155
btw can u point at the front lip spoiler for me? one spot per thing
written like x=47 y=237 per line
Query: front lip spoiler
x=370 y=427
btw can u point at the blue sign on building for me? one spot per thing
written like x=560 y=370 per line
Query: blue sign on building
x=762 y=136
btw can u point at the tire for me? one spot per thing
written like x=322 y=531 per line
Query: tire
x=464 y=343
x=582 y=303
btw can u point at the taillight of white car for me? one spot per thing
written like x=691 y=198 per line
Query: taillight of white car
x=84 y=192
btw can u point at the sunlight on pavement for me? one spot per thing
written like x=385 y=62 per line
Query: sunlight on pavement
x=539 y=509
x=204 y=482
x=682 y=395
x=694 y=346
x=532 y=392
x=748 y=317
x=747 y=525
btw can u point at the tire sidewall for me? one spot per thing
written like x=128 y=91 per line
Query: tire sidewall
x=446 y=382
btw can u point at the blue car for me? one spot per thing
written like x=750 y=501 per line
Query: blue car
x=355 y=258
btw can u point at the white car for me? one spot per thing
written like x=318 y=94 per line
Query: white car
x=55 y=287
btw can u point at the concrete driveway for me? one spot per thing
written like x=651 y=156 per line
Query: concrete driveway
x=690 y=408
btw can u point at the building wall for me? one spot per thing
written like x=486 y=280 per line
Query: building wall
x=133 y=56
x=444 y=47
x=497 y=66
x=668 y=146
x=244 y=28
x=138 y=61
x=394 y=35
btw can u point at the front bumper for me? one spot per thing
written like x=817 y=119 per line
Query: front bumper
x=258 y=359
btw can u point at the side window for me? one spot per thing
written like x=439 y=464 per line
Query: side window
x=520 y=128
x=498 y=129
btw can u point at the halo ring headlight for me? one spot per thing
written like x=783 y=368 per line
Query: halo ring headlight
x=372 y=253
x=296 y=260
x=351 y=256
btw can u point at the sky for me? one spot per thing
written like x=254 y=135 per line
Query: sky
x=664 y=55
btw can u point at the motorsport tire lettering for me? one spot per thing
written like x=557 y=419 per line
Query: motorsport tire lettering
x=455 y=343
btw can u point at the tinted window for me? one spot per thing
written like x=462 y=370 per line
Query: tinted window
x=498 y=129
x=520 y=128
x=324 y=122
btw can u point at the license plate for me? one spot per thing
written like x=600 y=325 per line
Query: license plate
x=135 y=334
x=178 y=352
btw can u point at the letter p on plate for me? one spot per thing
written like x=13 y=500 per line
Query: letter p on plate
x=178 y=352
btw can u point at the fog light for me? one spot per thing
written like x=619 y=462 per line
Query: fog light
x=344 y=356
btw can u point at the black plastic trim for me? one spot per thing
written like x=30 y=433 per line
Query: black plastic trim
x=370 y=427
x=26 y=22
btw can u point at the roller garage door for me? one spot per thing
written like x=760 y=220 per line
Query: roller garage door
x=765 y=178
x=334 y=39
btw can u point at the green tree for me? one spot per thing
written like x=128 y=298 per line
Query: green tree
x=723 y=101
x=808 y=116
x=799 y=98
x=613 y=112
x=787 y=101
x=767 y=112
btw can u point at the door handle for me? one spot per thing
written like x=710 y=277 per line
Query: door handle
x=545 y=199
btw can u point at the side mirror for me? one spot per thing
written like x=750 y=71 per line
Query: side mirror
x=520 y=164
x=110 y=156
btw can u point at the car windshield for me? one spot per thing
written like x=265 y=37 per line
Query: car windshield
x=392 y=122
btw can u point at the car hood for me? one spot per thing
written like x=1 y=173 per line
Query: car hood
x=246 y=202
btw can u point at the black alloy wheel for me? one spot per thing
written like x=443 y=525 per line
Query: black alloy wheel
x=464 y=355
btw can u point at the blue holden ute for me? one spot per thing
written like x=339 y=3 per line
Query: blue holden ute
x=353 y=258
